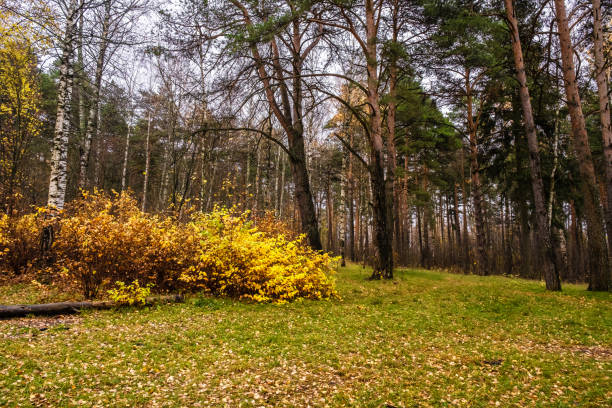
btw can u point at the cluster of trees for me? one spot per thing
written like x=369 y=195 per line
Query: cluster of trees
x=446 y=133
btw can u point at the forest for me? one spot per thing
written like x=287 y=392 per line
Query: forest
x=450 y=134
x=434 y=167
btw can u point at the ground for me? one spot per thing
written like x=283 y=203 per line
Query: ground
x=425 y=339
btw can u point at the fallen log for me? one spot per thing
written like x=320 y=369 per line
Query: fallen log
x=59 y=308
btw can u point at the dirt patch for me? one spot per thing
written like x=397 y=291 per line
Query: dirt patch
x=595 y=352
x=28 y=326
x=598 y=353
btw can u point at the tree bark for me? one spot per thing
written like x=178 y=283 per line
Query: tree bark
x=8 y=311
x=350 y=202
x=604 y=110
x=392 y=197
x=383 y=265
x=466 y=238
x=599 y=278
x=457 y=226
x=329 y=206
x=289 y=114
x=145 y=183
x=481 y=250
x=59 y=153
x=545 y=249
x=80 y=78
x=126 y=154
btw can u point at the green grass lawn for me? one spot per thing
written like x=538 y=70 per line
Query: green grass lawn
x=425 y=339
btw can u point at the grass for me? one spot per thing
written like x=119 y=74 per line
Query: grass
x=425 y=339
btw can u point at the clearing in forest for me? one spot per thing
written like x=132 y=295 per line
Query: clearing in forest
x=425 y=339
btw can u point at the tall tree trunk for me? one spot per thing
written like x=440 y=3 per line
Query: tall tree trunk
x=98 y=150
x=575 y=245
x=277 y=180
x=329 y=206
x=481 y=250
x=545 y=249
x=599 y=278
x=551 y=194
x=163 y=182
x=297 y=161
x=92 y=123
x=604 y=110
x=420 y=233
x=257 y=203
x=358 y=226
x=350 y=202
x=383 y=265
x=281 y=194
x=145 y=183
x=80 y=78
x=457 y=226
x=466 y=238
x=392 y=197
x=126 y=155
x=59 y=153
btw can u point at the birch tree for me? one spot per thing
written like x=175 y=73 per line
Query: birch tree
x=59 y=152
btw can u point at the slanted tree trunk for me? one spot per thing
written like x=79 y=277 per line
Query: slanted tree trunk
x=604 y=110
x=288 y=111
x=545 y=249
x=299 y=171
x=599 y=278
x=92 y=124
x=59 y=153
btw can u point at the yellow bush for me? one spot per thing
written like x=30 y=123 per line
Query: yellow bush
x=130 y=294
x=236 y=259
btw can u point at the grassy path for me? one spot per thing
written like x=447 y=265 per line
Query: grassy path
x=425 y=339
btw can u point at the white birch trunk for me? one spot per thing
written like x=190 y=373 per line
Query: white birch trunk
x=59 y=153
x=126 y=156
x=147 y=164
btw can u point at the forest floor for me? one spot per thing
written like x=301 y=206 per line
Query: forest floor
x=425 y=339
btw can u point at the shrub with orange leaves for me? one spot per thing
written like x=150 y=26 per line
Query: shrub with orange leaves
x=19 y=242
x=272 y=226
x=105 y=241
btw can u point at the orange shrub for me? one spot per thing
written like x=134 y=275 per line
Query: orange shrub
x=272 y=226
x=104 y=240
x=19 y=242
